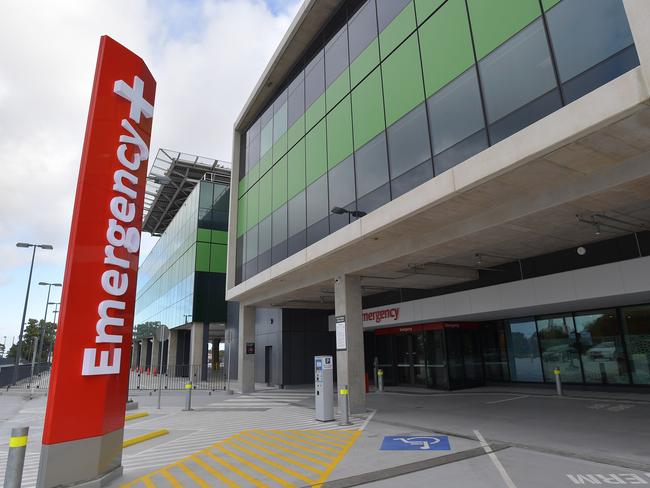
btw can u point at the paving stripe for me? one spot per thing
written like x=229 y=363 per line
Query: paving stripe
x=235 y=469
x=284 y=449
x=255 y=467
x=495 y=460
x=214 y=472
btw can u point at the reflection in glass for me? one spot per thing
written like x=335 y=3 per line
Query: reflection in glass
x=371 y=165
x=601 y=347
x=408 y=142
x=523 y=350
x=559 y=344
x=436 y=359
x=636 y=328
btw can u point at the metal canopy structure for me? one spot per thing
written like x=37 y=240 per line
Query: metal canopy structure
x=162 y=201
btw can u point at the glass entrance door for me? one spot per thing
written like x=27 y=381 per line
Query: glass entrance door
x=411 y=364
x=465 y=359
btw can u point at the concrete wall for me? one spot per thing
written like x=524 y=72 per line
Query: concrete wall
x=232 y=327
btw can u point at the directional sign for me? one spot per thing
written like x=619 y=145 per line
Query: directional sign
x=416 y=443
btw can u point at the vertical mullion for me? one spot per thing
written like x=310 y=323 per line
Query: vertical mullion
x=551 y=49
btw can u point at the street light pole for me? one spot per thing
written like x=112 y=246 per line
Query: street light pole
x=22 y=322
x=47 y=302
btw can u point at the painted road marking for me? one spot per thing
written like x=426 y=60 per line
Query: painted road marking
x=415 y=443
x=260 y=458
x=507 y=399
x=495 y=460
x=144 y=437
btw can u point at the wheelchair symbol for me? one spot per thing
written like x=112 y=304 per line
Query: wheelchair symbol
x=425 y=443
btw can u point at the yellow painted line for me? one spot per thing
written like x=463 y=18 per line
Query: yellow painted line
x=280 y=456
x=319 y=438
x=199 y=481
x=169 y=477
x=292 y=444
x=18 y=441
x=309 y=443
x=134 y=416
x=148 y=483
x=262 y=471
x=341 y=434
x=269 y=461
x=144 y=437
x=235 y=470
x=214 y=472
x=276 y=445
x=344 y=451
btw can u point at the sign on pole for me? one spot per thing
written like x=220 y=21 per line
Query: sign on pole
x=84 y=420
x=341 y=339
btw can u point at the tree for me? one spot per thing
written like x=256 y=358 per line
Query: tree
x=145 y=330
x=31 y=332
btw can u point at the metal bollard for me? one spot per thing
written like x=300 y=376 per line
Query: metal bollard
x=345 y=406
x=16 y=457
x=380 y=380
x=188 y=399
x=558 y=381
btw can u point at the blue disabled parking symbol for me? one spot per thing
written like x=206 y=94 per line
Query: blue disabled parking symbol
x=415 y=443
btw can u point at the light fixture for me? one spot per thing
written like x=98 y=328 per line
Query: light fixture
x=581 y=251
x=160 y=179
x=355 y=213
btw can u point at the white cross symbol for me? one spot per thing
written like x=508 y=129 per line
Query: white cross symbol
x=134 y=95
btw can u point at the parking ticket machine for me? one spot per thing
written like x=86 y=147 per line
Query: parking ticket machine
x=324 y=385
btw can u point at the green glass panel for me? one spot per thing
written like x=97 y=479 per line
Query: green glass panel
x=241 y=215
x=446 y=46
x=266 y=195
x=267 y=137
x=296 y=170
x=203 y=235
x=252 y=206
x=316 y=151
x=365 y=63
x=339 y=133
x=220 y=237
x=315 y=112
x=280 y=147
x=398 y=30
x=280 y=183
x=548 y=4
x=218 y=257
x=424 y=8
x=296 y=131
x=203 y=256
x=495 y=21
x=368 y=109
x=266 y=162
x=338 y=89
x=253 y=175
x=402 y=74
x=241 y=188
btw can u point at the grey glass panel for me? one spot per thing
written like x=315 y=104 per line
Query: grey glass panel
x=374 y=199
x=455 y=111
x=371 y=163
x=280 y=225
x=314 y=79
x=585 y=32
x=266 y=117
x=317 y=205
x=411 y=179
x=264 y=238
x=317 y=231
x=251 y=243
x=362 y=28
x=339 y=221
x=254 y=152
x=558 y=342
x=387 y=10
x=636 y=330
x=460 y=152
x=517 y=72
x=206 y=195
x=601 y=347
x=341 y=184
x=336 y=56
x=296 y=103
x=523 y=351
x=297 y=214
x=408 y=141
x=280 y=119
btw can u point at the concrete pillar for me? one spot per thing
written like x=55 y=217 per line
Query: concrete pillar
x=135 y=348
x=215 y=354
x=155 y=354
x=171 y=352
x=350 y=369
x=143 y=353
x=246 y=362
x=198 y=350
x=638 y=13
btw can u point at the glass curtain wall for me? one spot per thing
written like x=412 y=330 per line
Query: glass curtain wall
x=402 y=90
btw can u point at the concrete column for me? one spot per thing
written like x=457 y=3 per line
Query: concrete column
x=246 y=362
x=350 y=369
x=143 y=353
x=171 y=353
x=638 y=13
x=135 y=347
x=155 y=354
x=215 y=353
x=198 y=350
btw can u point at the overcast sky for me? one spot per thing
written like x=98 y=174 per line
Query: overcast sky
x=206 y=56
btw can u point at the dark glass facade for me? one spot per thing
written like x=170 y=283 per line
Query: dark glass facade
x=593 y=347
x=184 y=275
x=396 y=92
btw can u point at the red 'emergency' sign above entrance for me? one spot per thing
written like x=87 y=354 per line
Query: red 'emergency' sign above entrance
x=90 y=371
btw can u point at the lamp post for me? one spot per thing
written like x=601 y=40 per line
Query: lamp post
x=22 y=322
x=355 y=213
x=56 y=311
x=47 y=302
